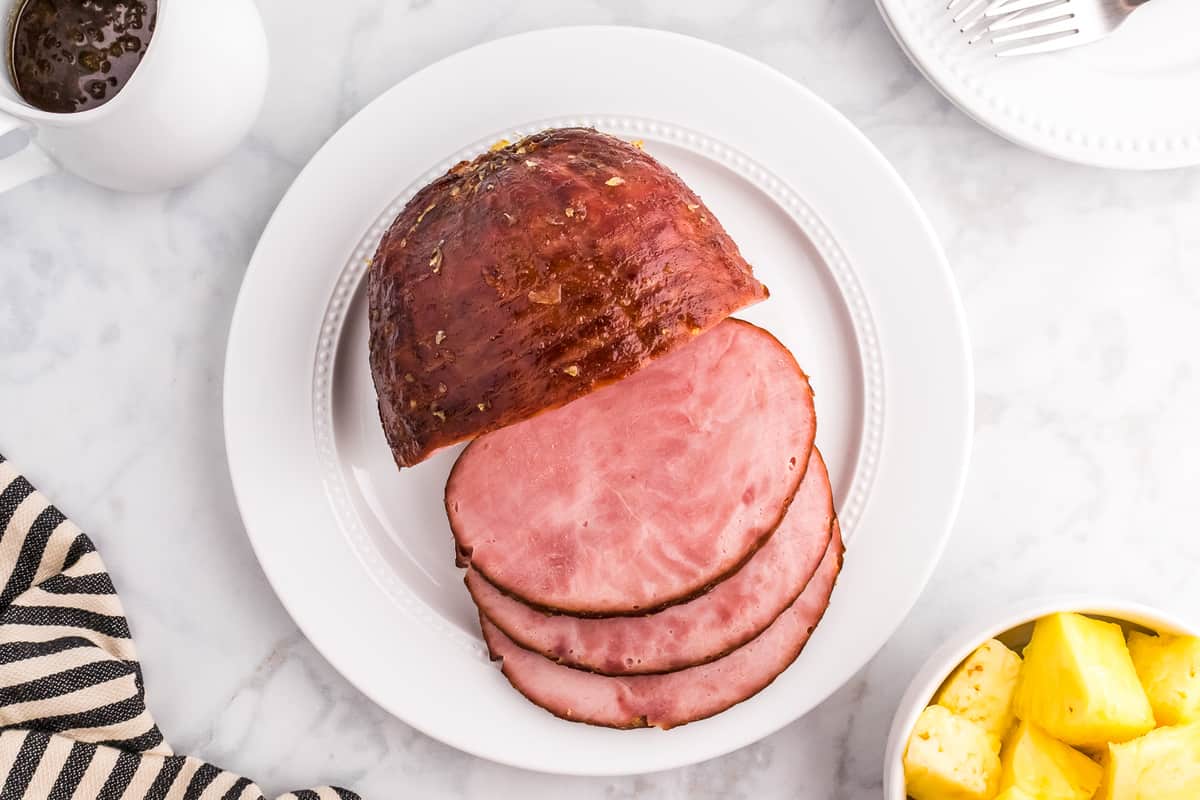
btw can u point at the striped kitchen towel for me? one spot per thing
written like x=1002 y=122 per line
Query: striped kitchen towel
x=73 y=719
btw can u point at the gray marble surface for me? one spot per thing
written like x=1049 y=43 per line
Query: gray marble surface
x=1083 y=295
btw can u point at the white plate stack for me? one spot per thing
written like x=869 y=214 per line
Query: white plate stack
x=1128 y=101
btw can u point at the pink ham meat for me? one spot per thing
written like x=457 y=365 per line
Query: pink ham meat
x=702 y=630
x=676 y=698
x=645 y=493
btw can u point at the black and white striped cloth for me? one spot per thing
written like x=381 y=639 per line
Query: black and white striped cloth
x=73 y=718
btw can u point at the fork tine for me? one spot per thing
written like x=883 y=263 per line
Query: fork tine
x=1048 y=44
x=975 y=31
x=1061 y=24
x=973 y=17
x=1028 y=20
x=1002 y=7
x=981 y=30
x=970 y=12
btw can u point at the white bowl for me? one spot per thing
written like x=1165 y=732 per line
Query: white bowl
x=1013 y=627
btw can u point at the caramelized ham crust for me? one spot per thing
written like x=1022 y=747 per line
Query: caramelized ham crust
x=704 y=629
x=534 y=274
x=676 y=698
x=644 y=494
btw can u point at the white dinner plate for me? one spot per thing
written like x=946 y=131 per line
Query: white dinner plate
x=361 y=553
x=1128 y=101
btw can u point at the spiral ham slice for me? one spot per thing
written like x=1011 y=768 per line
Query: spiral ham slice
x=644 y=494
x=702 y=630
x=675 y=698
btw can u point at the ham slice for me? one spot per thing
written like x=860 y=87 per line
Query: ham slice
x=702 y=630
x=676 y=698
x=642 y=495
x=533 y=275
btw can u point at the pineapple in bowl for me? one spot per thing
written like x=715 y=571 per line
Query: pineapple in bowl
x=1093 y=701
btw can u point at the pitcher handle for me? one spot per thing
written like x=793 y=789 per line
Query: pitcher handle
x=26 y=164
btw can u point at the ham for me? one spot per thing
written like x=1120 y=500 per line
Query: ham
x=702 y=630
x=642 y=495
x=676 y=698
x=533 y=275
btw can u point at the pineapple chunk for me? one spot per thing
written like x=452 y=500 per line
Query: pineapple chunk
x=950 y=758
x=1169 y=668
x=1162 y=765
x=1045 y=767
x=1016 y=793
x=981 y=689
x=1079 y=685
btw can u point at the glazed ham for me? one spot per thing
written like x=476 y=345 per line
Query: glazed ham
x=707 y=628
x=533 y=275
x=645 y=494
x=676 y=698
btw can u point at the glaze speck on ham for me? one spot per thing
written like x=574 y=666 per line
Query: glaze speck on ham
x=534 y=274
x=643 y=494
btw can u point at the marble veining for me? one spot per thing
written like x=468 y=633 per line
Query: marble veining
x=1082 y=289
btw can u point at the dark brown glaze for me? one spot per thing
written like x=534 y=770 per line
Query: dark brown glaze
x=534 y=274
x=69 y=56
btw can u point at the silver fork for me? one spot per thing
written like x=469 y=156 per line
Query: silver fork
x=1025 y=27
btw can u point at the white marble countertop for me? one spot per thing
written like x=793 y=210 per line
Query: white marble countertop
x=1083 y=294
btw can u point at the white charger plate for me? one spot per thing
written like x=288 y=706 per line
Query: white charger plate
x=361 y=553
x=1128 y=101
